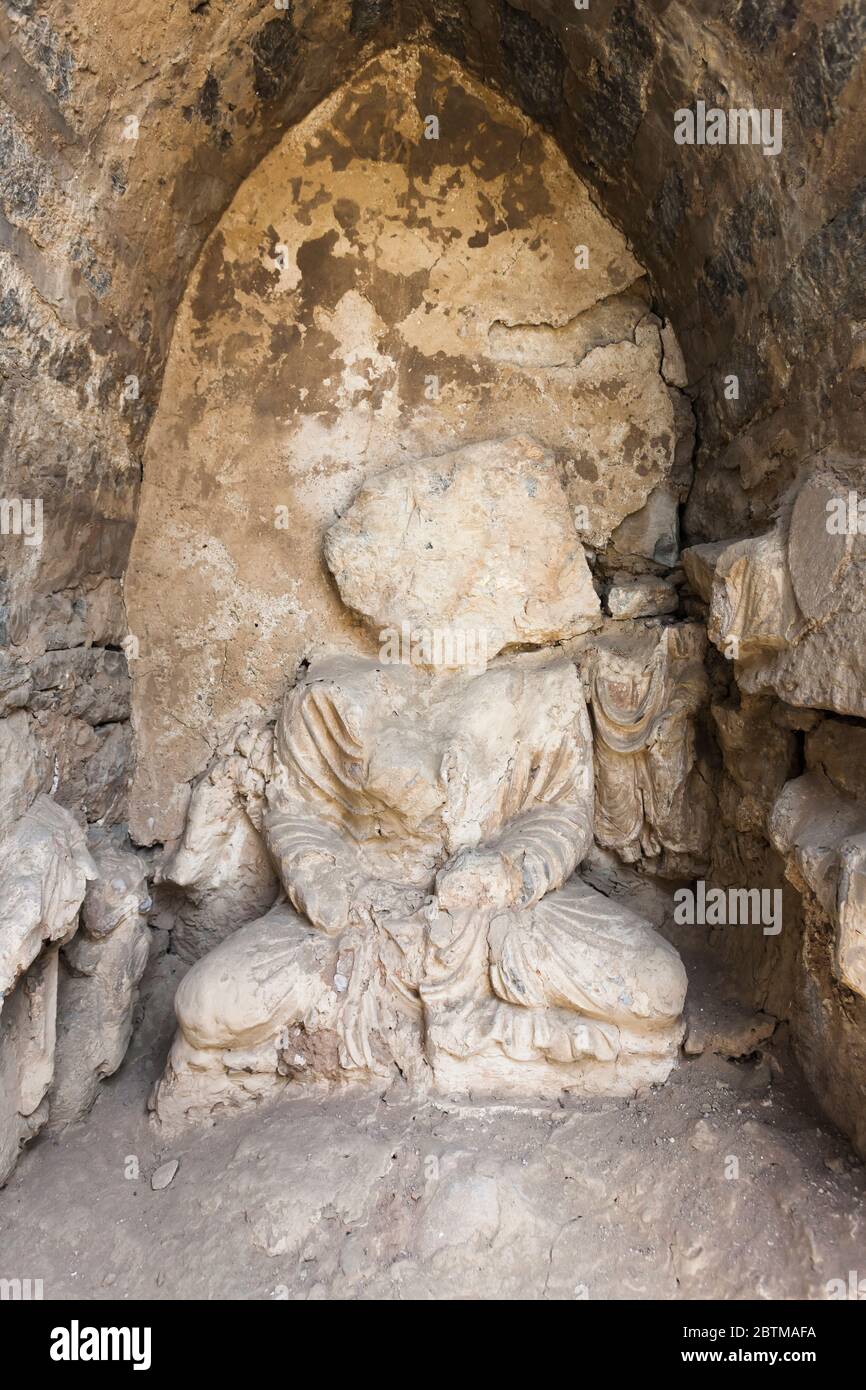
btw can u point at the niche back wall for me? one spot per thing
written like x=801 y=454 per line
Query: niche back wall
x=371 y=294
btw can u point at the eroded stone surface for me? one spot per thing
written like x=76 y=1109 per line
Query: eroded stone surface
x=645 y=597
x=66 y=996
x=27 y=1052
x=45 y=870
x=427 y=856
x=652 y=533
x=478 y=544
x=99 y=973
x=328 y=335
x=46 y=867
x=23 y=767
x=789 y=607
x=645 y=688
x=220 y=874
x=426 y=820
x=753 y=609
x=821 y=831
x=79 y=312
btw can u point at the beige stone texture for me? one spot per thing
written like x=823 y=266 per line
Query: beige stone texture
x=753 y=607
x=478 y=544
x=652 y=533
x=646 y=686
x=370 y=297
x=758 y=263
x=100 y=969
x=426 y=830
x=699 y=563
x=789 y=606
x=44 y=870
x=426 y=820
x=809 y=822
x=851 y=938
x=644 y=597
x=23 y=768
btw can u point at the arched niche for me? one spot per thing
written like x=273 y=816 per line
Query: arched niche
x=380 y=288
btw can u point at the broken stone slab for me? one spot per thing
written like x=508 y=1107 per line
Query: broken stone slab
x=100 y=970
x=753 y=608
x=789 y=607
x=486 y=553
x=699 y=562
x=822 y=835
x=673 y=363
x=808 y=824
x=648 y=596
x=653 y=532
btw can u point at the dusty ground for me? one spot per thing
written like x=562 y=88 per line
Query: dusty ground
x=369 y=1198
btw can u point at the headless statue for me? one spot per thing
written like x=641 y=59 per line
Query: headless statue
x=426 y=822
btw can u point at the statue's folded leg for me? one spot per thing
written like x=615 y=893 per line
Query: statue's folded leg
x=578 y=950
x=235 y=1010
x=575 y=991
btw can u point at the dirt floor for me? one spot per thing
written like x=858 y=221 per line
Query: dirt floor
x=723 y=1184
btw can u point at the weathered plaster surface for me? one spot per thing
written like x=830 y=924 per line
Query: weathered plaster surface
x=360 y=270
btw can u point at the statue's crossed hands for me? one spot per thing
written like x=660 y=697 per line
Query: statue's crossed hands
x=478 y=878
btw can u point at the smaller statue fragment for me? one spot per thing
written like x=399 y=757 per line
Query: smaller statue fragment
x=100 y=969
x=44 y=870
x=646 y=687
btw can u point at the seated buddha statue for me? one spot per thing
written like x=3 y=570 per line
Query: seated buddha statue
x=426 y=810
